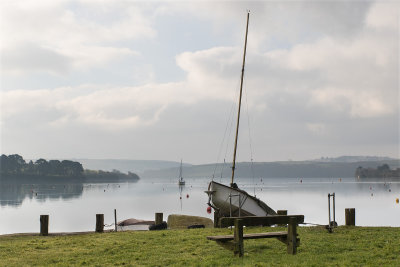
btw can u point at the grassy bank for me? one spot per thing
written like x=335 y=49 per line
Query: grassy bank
x=347 y=246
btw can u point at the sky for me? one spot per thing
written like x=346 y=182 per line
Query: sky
x=159 y=80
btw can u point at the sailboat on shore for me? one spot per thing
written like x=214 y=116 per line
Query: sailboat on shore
x=230 y=201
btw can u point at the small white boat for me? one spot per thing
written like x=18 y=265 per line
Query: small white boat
x=234 y=202
x=228 y=201
x=181 y=182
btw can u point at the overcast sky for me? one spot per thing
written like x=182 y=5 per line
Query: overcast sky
x=160 y=80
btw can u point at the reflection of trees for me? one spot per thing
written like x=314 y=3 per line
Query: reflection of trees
x=14 y=191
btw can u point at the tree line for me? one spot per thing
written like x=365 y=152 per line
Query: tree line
x=16 y=165
x=383 y=171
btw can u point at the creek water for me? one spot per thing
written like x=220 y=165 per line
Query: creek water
x=72 y=207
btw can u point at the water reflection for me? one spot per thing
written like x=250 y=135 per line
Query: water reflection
x=15 y=190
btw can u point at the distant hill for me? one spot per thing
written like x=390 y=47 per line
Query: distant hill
x=283 y=169
x=124 y=165
x=353 y=159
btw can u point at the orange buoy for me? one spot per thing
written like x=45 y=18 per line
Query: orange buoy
x=397 y=200
x=208 y=209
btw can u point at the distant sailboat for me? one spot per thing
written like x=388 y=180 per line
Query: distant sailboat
x=228 y=201
x=181 y=182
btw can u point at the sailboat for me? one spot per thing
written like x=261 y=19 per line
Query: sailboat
x=230 y=201
x=181 y=182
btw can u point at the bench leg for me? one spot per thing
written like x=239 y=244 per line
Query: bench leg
x=292 y=236
x=238 y=238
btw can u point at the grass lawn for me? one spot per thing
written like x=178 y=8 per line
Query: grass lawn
x=346 y=246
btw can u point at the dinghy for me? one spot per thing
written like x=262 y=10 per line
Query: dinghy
x=230 y=201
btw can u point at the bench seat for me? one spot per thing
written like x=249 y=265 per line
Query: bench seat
x=288 y=237
x=225 y=238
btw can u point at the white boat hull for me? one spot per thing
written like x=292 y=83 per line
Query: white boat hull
x=234 y=202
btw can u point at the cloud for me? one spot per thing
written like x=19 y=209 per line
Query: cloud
x=313 y=71
x=33 y=58
x=384 y=15
x=329 y=75
x=108 y=108
x=68 y=34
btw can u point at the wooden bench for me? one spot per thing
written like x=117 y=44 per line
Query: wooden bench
x=288 y=237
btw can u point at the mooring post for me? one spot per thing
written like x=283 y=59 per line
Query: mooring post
x=329 y=209
x=115 y=219
x=44 y=224
x=281 y=212
x=334 y=211
x=216 y=218
x=238 y=238
x=350 y=215
x=159 y=218
x=99 y=223
x=292 y=236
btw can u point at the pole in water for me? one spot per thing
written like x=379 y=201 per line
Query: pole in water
x=333 y=223
x=115 y=219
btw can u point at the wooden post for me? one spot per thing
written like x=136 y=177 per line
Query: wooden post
x=44 y=224
x=216 y=218
x=159 y=218
x=292 y=236
x=238 y=238
x=281 y=212
x=115 y=219
x=99 y=223
x=350 y=215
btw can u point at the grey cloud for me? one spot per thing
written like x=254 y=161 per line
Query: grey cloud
x=32 y=58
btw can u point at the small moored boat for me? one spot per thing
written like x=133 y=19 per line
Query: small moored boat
x=228 y=201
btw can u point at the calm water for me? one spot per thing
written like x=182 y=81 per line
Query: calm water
x=73 y=207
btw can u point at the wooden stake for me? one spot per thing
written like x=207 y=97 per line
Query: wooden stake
x=115 y=219
x=350 y=215
x=159 y=218
x=292 y=236
x=44 y=224
x=216 y=218
x=99 y=223
x=238 y=238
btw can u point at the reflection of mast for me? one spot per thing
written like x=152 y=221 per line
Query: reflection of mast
x=180 y=195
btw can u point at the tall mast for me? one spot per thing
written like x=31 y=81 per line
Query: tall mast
x=180 y=172
x=240 y=100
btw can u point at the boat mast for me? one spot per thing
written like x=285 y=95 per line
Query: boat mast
x=240 y=100
x=180 y=172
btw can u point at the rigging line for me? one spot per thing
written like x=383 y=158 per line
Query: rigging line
x=250 y=141
x=222 y=170
x=230 y=119
x=230 y=126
